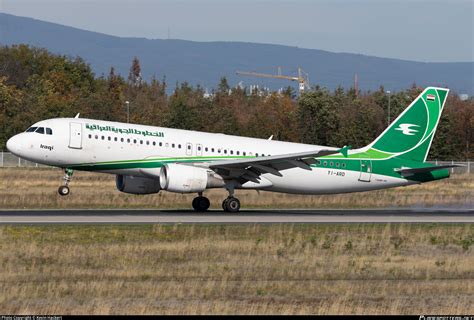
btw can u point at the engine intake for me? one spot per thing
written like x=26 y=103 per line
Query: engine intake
x=188 y=179
x=136 y=185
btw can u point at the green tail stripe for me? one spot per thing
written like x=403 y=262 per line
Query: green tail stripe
x=411 y=134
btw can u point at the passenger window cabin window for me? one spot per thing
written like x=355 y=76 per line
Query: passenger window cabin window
x=167 y=145
x=206 y=149
x=225 y=151
x=49 y=131
x=337 y=164
x=231 y=152
x=244 y=153
x=256 y=154
x=325 y=163
x=128 y=140
x=179 y=146
x=238 y=152
x=102 y=137
x=115 y=139
x=161 y=144
x=343 y=165
x=189 y=147
x=40 y=130
x=212 y=149
x=122 y=139
x=90 y=136
x=331 y=163
x=148 y=143
x=141 y=141
x=109 y=138
x=154 y=143
x=134 y=140
x=199 y=148
x=172 y=145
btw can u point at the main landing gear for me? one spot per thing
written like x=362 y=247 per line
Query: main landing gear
x=230 y=204
x=200 y=203
x=64 y=189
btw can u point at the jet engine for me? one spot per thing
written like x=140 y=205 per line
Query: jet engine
x=137 y=185
x=188 y=179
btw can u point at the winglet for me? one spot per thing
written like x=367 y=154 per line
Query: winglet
x=77 y=116
x=345 y=150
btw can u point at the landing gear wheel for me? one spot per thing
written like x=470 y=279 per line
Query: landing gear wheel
x=224 y=204
x=201 y=204
x=231 y=204
x=63 y=190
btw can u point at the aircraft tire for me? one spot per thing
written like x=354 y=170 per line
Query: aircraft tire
x=63 y=190
x=201 y=204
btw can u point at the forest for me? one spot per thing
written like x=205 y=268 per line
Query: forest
x=36 y=84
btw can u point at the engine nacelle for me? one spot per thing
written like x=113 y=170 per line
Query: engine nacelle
x=188 y=179
x=137 y=185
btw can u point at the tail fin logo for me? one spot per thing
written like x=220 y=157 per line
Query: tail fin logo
x=406 y=128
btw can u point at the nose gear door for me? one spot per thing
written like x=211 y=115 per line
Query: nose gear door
x=75 y=135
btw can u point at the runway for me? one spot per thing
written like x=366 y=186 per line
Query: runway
x=245 y=216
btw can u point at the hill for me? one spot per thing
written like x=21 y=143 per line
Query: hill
x=205 y=62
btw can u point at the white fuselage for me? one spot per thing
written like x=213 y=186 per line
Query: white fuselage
x=122 y=148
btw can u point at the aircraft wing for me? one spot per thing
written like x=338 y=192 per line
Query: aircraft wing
x=250 y=169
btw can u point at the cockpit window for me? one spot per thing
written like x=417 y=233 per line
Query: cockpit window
x=31 y=129
x=40 y=130
x=49 y=131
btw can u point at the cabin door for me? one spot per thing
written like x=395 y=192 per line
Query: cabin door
x=75 y=135
x=365 y=170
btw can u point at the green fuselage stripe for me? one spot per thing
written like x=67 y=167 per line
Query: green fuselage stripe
x=377 y=166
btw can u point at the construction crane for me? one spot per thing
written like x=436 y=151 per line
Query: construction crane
x=302 y=78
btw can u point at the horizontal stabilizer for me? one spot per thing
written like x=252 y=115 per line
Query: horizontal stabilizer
x=412 y=171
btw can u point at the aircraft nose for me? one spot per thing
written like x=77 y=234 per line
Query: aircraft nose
x=13 y=145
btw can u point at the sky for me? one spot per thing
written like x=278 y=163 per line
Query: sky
x=420 y=30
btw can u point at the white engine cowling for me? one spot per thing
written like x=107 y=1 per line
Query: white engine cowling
x=136 y=185
x=188 y=179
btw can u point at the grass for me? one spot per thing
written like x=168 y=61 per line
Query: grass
x=37 y=188
x=238 y=269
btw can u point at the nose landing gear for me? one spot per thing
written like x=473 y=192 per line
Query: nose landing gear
x=64 y=189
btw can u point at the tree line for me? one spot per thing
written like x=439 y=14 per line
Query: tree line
x=36 y=84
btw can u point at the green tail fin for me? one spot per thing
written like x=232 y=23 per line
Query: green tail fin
x=410 y=135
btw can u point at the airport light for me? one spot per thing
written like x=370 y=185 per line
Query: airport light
x=388 y=113
x=128 y=111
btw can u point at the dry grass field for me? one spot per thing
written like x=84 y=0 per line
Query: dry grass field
x=237 y=269
x=37 y=188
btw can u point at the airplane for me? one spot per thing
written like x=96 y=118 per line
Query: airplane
x=147 y=159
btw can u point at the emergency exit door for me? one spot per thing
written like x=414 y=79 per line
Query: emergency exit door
x=75 y=135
